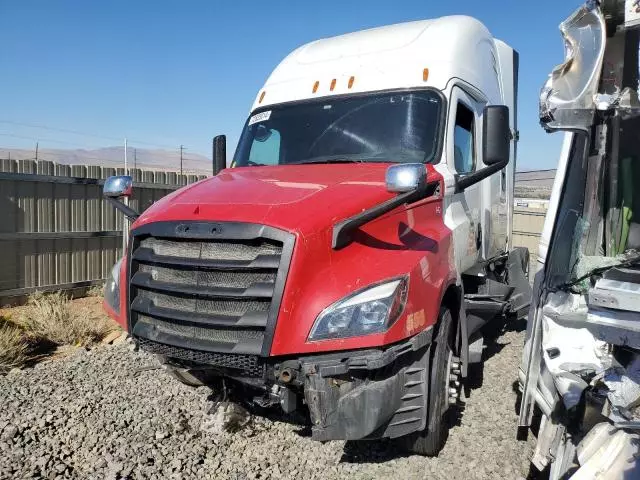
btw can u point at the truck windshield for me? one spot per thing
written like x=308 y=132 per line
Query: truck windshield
x=385 y=127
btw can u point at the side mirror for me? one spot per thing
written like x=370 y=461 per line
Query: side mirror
x=496 y=135
x=405 y=177
x=219 y=153
x=118 y=186
x=409 y=180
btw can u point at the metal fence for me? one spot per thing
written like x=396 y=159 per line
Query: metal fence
x=56 y=230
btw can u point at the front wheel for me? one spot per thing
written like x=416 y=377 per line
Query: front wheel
x=430 y=441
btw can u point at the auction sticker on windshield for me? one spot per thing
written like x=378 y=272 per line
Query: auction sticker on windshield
x=260 y=117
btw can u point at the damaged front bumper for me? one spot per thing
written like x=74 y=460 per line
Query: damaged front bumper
x=372 y=394
x=350 y=395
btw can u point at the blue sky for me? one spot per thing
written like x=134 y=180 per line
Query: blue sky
x=168 y=73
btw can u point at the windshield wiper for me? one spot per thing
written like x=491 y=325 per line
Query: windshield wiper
x=326 y=160
x=600 y=270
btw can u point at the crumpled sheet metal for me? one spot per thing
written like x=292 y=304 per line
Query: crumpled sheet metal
x=626 y=101
x=617 y=327
x=569 y=349
x=624 y=388
x=567 y=100
x=608 y=453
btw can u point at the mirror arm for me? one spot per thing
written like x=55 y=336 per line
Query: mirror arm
x=465 y=181
x=343 y=231
x=219 y=153
x=129 y=212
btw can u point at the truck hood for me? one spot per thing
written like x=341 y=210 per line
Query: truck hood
x=298 y=198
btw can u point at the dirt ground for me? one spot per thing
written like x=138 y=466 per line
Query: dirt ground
x=112 y=412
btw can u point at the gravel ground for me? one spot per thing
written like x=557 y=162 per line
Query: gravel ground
x=111 y=413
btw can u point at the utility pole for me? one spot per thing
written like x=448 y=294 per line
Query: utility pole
x=181 y=149
x=125 y=220
x=36 y=153
x=135 y=158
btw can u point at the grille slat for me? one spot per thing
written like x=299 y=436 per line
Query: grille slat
x=270 y=262
x=222 y=335
x=207 y=339
x=256 y=290
x=206 y=292
x=250 y=319
x=211 y=250
x=214 y=307
x=192 y=276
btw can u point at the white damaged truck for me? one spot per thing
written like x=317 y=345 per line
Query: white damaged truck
x=580 y=373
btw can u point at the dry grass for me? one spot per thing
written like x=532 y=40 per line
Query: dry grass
x=51 y=317
x=48 y=323
x=95 y=290
x=14 y=347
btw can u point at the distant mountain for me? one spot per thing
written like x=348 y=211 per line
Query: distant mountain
x=534 y=183
x=114 y=157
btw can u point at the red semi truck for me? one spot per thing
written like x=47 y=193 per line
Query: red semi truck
x=348 y=258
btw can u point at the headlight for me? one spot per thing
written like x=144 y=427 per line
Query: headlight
x=115 y=271
x=112 y=288
x=372 y=310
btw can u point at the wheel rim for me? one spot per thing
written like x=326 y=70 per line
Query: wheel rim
x=452 y=381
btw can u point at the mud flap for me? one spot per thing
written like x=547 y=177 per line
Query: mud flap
x=520 y=299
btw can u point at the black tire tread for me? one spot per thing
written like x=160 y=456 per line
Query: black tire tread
x=429 y=443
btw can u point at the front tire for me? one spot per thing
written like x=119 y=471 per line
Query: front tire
x=429 y=442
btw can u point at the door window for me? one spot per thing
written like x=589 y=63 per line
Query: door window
x=464 y=141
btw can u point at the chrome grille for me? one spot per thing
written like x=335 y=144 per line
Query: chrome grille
x=192 y=287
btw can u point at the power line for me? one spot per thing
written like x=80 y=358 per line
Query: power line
x=74 y=144
x=85 y=134
x=50 y=140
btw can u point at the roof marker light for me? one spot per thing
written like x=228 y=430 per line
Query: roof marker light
x=333 y=84
x=262 y=96
x=351 y=80
x=315 y=87
x=425 y=74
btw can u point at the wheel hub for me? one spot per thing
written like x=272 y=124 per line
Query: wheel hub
x=453 y=380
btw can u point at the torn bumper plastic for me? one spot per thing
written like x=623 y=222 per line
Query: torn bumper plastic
x=371 y=394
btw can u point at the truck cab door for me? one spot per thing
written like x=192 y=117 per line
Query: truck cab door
x=463 y=209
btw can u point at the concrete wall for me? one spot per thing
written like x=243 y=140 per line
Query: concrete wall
x=527 y=228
